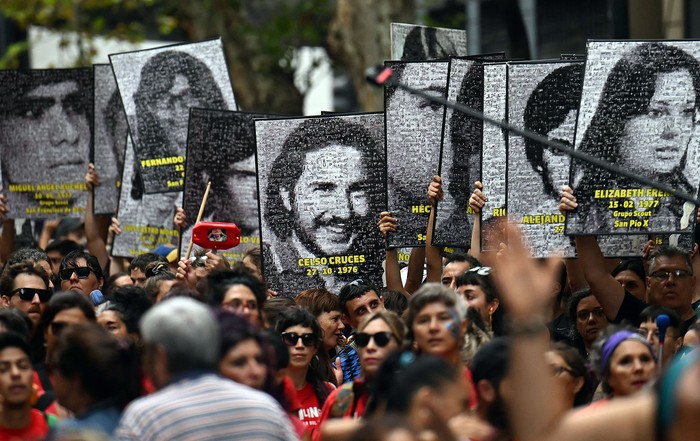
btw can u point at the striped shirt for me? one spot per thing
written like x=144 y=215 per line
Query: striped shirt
x=205 y=407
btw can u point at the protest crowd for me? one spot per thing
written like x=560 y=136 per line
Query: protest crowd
x=487 y=342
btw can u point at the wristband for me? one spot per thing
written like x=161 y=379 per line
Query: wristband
x=528 y=328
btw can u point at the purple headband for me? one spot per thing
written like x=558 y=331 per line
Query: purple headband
x=614 y=341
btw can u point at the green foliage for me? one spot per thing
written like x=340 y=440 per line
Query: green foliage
x=10 y=59
x=85 y=18
x=276 y=26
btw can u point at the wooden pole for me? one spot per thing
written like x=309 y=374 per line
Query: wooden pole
x=199 y=218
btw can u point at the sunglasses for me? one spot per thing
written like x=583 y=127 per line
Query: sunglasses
x=27 y=294
x=292 y=338
x=381 y=339
x=83 y=272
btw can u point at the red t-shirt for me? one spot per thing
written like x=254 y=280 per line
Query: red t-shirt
x=309 y=412
x=473 y=399
x=35 y=431
x=293 y=406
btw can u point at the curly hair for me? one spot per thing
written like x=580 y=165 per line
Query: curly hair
x=311 y=135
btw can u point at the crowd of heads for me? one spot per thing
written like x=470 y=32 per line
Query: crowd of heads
x=385 y=359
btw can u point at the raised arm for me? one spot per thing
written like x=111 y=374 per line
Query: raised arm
x=117 y=264
x=416 y=266
x=95 y=227
x=47 y=232
x=387 y=224
x=537 y=410
x=476 y=202
x=604 y=287
x=432 y=253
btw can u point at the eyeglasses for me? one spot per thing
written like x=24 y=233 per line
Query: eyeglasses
x=58 y=327
x=381 y=339
x=292 y=338
x=83 y=272
x=583 y=314
x=559 y=370
x=239 y=305
x=27 y=294
x=665 y=275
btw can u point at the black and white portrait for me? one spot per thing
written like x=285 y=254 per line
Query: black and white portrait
x=223 y=143
x=158 y=87
x=460 y=155
x=110 y=140
x=639 y=111
x=146 y=219
x=413 y=137
x=493 y=154
x=423 y=43
x=321 y=182
x=543 y=97
x=45 y=141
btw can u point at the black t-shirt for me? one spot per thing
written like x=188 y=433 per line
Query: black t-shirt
x=631 y=308
x=560 y=328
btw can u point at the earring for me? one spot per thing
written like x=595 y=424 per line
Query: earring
x=491 y=319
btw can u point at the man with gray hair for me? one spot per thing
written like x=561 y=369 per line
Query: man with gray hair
x=670 y=281
x=181 y=340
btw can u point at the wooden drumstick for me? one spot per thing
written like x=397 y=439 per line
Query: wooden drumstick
x=199 y=218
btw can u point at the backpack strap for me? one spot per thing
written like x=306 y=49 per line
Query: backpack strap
x=44 y=401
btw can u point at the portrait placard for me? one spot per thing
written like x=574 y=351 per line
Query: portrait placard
x=158 y=87
x=45 y=141
x=424 y=43
x=460 y=155
x=321 y=184
x=110 y=140
x=543 y=98
x=493 y=154
x=146 y=219
x=639 y=111
x=222 y=147
x=413 y=137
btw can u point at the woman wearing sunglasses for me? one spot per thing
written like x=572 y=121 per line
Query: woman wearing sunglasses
x=302 y=334
x=378 y=335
